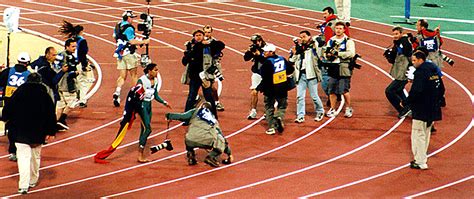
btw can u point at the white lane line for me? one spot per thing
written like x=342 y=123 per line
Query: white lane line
x=454 y=80
x=309 y=167
x=89 y=94
x=438 y=19
x=230 y=165
x=440 y=187
x=362 y=29
x=248 y=126
x=132 y=167
x=458 y=32
x=463 y=133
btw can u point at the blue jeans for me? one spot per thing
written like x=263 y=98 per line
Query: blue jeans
x=312 y=85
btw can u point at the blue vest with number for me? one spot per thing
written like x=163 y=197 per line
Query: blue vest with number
x=15 y=80
x=279 y=69
x=431 y=43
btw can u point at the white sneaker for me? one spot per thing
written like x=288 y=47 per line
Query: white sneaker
x=299 y=119
x=319 y=117
x=270 y=131
x=348 y=112
x=331 y=113
x=252 y=114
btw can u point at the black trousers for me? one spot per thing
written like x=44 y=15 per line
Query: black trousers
x=395 y=95
x=194 y=86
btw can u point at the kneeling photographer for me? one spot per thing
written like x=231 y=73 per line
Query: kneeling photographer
x=400 y=57
x=255 y=54
x=339 y=53
x=200 y=70
x=305 y=56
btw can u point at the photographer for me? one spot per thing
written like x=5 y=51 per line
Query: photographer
x=339 y=52
x=399 y=56
x=66 y=82
x=307 y=75
x=275 y=71
x=127 y=59
x=255 y=54
x=216 y=53
x=198 y=60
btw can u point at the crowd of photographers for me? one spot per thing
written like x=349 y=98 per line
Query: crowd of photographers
x=328 y=59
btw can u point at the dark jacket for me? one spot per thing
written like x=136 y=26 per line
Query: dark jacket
x=402 y=49
x=193 y=56
x=43 y=67
x=82 y=50
x=424 y=96
x=257 y=60
x=30 y=114
x=267 y=86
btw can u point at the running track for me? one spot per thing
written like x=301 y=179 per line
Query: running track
x=261 y=160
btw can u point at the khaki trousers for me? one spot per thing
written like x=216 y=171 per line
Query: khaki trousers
x=420 y=140
x=28 y=164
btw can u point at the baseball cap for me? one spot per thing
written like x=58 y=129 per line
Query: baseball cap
x=269 y=48
x=128 y=13
x=23 y=57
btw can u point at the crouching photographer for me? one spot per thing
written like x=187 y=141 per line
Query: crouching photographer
x=198 y=60
x=255 y=54
x=305 y=56
x=338 y=57
x=399 y=56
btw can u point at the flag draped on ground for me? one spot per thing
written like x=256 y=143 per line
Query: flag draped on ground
x=132 y=105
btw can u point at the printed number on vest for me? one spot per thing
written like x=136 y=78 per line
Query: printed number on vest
x=430 y=43
x=279 y=76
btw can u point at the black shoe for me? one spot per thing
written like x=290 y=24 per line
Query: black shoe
x=227 y=161
x=404 y=112
x=23 y=191
x=191 y=158
x=169 y=147
x=116 y=100
x=279 y=125
x=60 y=127
x=211 y=161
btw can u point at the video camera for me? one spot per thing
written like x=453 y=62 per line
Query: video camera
x=215 y=71
x=146 y=25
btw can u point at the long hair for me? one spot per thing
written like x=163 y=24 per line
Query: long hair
x=69 y=30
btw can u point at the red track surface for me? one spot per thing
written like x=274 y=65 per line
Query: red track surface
x=373 y=116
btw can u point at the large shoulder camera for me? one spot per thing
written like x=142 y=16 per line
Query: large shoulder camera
x=146 y=25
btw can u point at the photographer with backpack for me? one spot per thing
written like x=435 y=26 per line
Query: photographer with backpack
x=127 y=59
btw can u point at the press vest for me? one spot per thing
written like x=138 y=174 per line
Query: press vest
x=15 y=80
x=149 y=89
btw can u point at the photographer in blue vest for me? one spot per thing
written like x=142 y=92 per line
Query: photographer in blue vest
x=10 y=79
x=274 y=85
x=127 y=59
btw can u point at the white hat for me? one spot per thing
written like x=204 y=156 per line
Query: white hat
x=128 y=13
x=23 y=57
x=269 y=47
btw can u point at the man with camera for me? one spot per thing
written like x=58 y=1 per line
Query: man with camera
x=66 y=82
x=400 y=58
x=127 y=59
x=255 y=54
x=274 y=85
x=339 y=52
x=307 y=74
x=198 y=59
x=216 y=61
